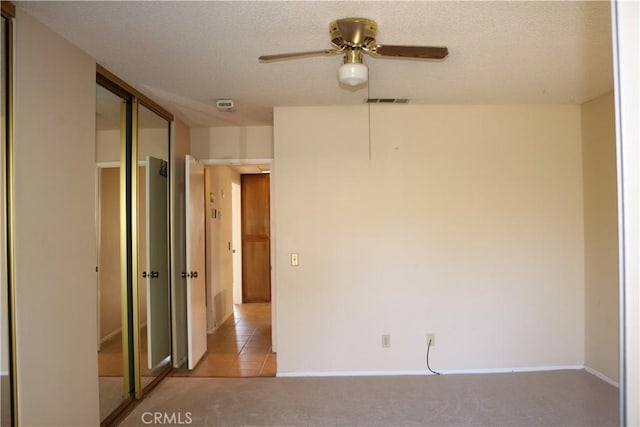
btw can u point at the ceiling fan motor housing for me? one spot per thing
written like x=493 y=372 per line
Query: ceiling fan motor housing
x=353 y=32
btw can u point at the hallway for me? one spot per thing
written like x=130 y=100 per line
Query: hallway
x=241 y=347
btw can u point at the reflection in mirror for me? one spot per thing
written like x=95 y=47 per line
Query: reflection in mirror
x=111 y=363
x=5 y=368
x=153 y=245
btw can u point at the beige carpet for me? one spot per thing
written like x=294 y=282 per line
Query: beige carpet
x=111 y=394
x=568 y=398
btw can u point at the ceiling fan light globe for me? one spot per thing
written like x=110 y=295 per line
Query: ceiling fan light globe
x=353 y=74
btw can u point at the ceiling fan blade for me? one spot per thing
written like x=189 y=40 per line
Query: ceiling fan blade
x=352 y=31
x=294 y=55
x=422 y=52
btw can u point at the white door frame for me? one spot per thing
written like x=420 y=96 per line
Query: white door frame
x=625 y=20
x=196 y=284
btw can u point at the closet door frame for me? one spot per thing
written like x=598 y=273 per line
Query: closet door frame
x=128 y=218
x=7 y=181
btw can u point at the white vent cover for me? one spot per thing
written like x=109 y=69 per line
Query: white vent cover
x=225 y=105
x=386 y=101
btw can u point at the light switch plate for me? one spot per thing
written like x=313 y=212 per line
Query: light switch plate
x=386 y=341
x=294 y=259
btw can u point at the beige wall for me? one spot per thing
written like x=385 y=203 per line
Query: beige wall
x=466 y=222
x=219 y=238
x=55 y=229
x=109 y=263
x=180 y=148
x=108 y=145
x=152 y=142
x=110 y=286
x=601 y=236
x=251 y=142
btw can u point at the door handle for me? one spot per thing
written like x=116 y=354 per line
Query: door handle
x=145 y=275
x=190 y=275
x=155 y=274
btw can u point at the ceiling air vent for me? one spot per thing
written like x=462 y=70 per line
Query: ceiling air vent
x=386 y=101
x=225 y=105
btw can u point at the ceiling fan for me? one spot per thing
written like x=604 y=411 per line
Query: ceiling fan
x=353 y=37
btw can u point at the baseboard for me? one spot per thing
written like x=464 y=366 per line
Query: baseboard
x=116 y=332
x=110 y=335
x=224 y=319
x=350 y=373
x=602 y=376
x=518 y=369
x=426 y=372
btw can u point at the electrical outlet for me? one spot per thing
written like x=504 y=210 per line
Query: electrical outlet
x=386 y=341
x=294 y=259
x=431 y=338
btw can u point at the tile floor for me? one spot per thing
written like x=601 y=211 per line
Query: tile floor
x=241 y=347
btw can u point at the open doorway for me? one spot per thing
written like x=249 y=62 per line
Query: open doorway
x=239 y=330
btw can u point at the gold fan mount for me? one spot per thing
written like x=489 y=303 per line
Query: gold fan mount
x=353 y=33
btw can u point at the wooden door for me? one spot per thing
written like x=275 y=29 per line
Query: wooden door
x=195 y=274
x=256 y=248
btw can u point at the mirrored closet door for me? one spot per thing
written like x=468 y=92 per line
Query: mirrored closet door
x=132 y=218
x=7 y=365
x=153 y=245
x=113 y=342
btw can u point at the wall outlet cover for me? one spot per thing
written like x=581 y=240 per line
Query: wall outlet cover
x=431 y=338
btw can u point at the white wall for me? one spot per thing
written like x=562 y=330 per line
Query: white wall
x=55 y=229
x=251 y=142
x=219 y=240
x=601 y=236
x=467 y=223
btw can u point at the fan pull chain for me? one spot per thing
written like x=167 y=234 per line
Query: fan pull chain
x=369 y=109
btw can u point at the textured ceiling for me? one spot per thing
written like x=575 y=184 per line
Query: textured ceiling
x=185 y=55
